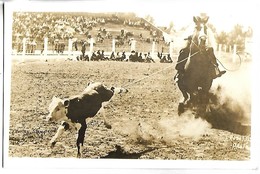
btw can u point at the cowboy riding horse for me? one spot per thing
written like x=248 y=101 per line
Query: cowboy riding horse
x=199 y=70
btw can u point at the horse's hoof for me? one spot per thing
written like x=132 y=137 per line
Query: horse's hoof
x=180 y=108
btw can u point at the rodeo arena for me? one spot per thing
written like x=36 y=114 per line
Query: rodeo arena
x=79 y=38
x=131 y=89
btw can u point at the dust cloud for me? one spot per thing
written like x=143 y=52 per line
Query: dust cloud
x=165 y=130
x=230 y=101
x=233 y=92
x=230 y=110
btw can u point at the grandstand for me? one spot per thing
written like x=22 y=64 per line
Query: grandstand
x=30 y=29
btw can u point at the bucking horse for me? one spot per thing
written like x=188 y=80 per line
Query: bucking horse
x=199 y=70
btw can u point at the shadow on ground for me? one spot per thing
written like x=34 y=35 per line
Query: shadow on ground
x=222 y=119
x=228 y=114
x=121 y=154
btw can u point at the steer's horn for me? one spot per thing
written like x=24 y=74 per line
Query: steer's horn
x=112 y=88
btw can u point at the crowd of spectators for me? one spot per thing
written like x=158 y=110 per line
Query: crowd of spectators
x=54 y=26
x=59 y=27
x=121 y=56
x=33 y=27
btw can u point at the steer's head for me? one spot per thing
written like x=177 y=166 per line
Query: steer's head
x=119 y=90
x=57 y=109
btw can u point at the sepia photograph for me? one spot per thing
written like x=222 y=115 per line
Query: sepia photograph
x=130 y=84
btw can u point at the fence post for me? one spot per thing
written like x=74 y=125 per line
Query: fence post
x=219 y=49
x=24 y=50
x=153 y=49
x=91 y=47
x=113 y=45
x=69 y=47
x=234 y=53
x=45 y=48
x=133 y=42
x=171 y=49
x=24 y=46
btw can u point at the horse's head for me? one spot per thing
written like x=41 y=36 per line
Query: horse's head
x=200 y=32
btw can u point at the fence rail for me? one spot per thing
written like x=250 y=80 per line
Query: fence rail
x=67 y=48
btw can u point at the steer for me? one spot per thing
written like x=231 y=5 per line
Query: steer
x=73 y=111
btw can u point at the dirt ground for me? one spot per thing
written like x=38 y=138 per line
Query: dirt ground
x=145 y=123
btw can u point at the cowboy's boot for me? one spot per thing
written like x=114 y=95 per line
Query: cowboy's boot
x=218 y=72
